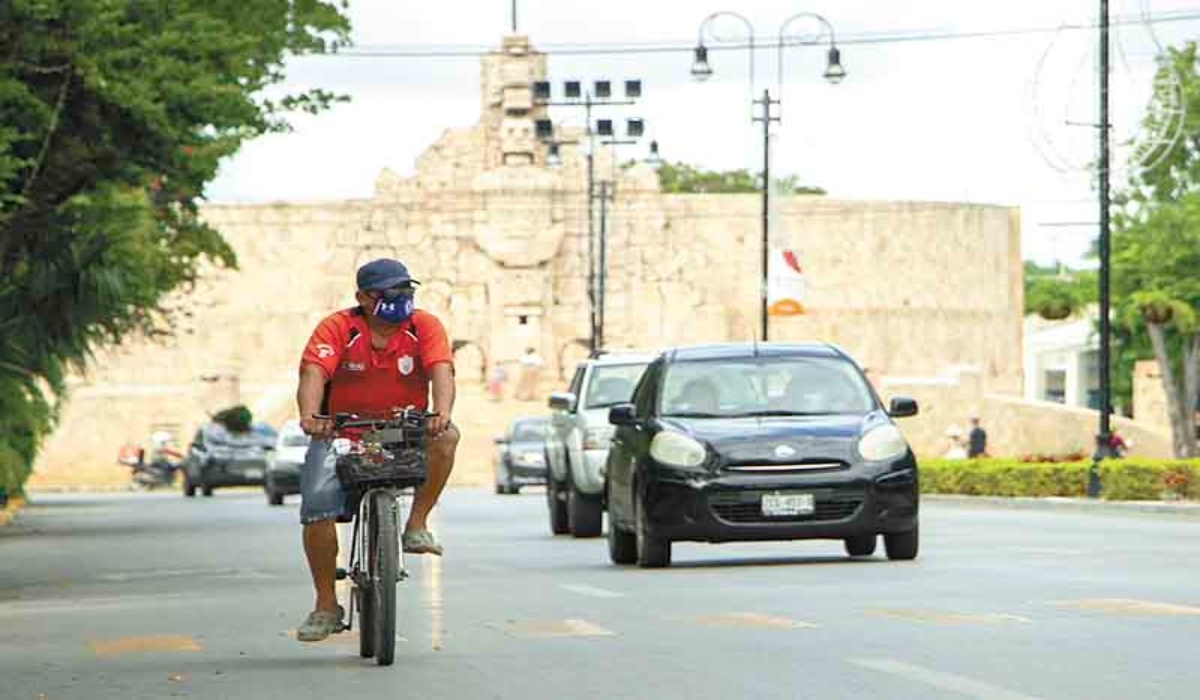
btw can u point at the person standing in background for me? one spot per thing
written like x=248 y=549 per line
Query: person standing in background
x=976 y=440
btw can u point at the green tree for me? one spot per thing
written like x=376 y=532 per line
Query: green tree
x=1156 y=252
x=114 y=115
x=682 y=178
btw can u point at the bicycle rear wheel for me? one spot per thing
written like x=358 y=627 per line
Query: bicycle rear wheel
x=365 y=595
x=385 y=568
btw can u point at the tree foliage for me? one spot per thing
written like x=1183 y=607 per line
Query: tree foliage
x=682 y=178
x=1156 y=252
x=114 y=115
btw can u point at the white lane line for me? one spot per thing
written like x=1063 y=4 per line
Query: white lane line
x=938 y=679
x=593 y=591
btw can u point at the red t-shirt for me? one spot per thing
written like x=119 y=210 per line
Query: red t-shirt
x=374 y=382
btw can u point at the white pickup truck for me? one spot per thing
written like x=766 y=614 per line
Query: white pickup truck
x=578 y=437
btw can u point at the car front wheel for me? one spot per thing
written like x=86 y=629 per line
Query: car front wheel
x=902 y=546
x=189 y=489
x=622 y=545
x=585 y=513
x=557 y=508
x=652 y=552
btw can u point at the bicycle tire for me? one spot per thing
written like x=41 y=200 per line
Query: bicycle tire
x=365 y=596
x=385 y=574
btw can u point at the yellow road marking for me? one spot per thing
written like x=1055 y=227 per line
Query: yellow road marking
x=154 y=643
x=752 y=620
x=1128 y=606
x=546 y=629
x=941 y=617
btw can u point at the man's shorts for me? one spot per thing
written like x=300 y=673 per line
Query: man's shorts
x=321 y=494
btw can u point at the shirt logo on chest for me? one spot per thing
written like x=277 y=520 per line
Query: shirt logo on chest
x=405 y=365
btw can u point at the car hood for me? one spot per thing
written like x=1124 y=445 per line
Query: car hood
x=780 y=440
x=290 y=455
x=526 y=446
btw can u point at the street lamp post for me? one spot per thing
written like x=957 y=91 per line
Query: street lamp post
x=761 y=109
x=1104 y=438
x=599 y=96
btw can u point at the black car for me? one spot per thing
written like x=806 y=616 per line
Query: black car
x=758 y=442
x=218 y=457
x=521 y=455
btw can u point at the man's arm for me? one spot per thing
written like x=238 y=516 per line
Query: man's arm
x=441 y=377
x=308 y=399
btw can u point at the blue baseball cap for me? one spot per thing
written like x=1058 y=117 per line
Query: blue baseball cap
x=383 y=273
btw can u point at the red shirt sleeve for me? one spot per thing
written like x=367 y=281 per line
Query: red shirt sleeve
x=326 y=345
x=433 y=345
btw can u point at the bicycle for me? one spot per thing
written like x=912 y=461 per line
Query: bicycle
x=377 y=467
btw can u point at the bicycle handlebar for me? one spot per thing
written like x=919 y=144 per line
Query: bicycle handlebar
x=343 y=421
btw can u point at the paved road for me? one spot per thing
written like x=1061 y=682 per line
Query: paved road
x=152 y=596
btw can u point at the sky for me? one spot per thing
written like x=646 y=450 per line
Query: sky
x=999 y=119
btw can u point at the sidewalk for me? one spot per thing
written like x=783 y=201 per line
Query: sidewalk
x=1181 y=508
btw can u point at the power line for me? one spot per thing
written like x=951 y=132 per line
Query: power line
x=626 y=48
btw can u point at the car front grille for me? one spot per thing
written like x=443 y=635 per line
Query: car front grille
x=746 y=507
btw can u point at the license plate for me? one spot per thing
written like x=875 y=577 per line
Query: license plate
x=253 y=473
x=777 y=504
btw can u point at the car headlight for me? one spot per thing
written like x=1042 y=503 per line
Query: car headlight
x=532 y=458
x=677 y=450
x=597 y=438
x=882 y=443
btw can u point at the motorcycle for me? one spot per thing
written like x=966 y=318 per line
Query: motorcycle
x=159 y=471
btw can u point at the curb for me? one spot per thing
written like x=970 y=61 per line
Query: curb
x=15 y=503
x=1078 y=505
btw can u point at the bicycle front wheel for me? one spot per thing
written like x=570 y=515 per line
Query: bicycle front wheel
x=385 y=570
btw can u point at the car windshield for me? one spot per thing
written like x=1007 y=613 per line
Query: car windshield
x=612 y=384
x=529 y=432
x=788 y=386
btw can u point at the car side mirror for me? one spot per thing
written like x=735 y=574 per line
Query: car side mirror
x=622 y=414
x=500 y=441
x=902 y=407
x=562 y=401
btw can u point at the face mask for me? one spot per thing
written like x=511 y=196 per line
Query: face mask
x=397 y=309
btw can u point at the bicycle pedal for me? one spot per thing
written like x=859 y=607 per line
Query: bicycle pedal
x=341 y=574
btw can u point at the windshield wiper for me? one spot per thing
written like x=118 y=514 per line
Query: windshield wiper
x=774 y=414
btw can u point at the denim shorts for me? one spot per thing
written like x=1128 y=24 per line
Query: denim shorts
x=321 y=494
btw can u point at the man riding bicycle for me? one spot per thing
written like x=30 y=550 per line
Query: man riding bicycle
x=381 y=356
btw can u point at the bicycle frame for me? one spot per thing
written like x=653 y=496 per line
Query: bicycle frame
x=360 y=541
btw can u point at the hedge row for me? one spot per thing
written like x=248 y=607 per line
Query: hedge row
x=1120 y=479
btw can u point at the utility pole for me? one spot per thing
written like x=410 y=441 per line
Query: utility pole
x=606 y=193
x=1103 y=444
x=766 y=120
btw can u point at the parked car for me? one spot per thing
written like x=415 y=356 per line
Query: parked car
x=218 y=458
x=284 y=463
x=577 y=440
x=521 y=455
x=742 y=442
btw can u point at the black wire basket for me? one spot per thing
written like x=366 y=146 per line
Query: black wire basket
x=392 y=455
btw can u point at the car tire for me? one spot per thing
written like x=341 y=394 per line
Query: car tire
x=558 y=509
x=189 y=489
x=622 y=545
x=652 y=552
x=206 y=490
x=902 y=546
x=861 y=545
x=275 y=498
x=585 y=514
x=500 y=490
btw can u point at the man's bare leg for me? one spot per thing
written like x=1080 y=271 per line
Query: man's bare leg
x=440 y=463
x=321 y=546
